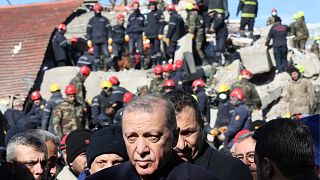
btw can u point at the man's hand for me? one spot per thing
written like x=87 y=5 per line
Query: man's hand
x=89 y=43
x=126 y=38
x=160 y=37
x=168 y=41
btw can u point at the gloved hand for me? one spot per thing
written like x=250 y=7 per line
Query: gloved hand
x=126 y=38
x=144 y=37
x=110 y=49
x=222 y=129
x=214 y=132
x=168 y=41
x=192 y=36
x=160 y=37
x=89 y=43
x=221 y=137
x=110 y=41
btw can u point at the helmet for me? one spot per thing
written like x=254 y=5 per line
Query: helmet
x=135 y=2
x=85 y=70
x=153 y=1
x=295 y=16
x=158 y=69
x=300 y=14
x=300 y=68
x=223 y=88
x=114 y=80
x=35 y=95
x=188 y=6
x=127 y=97
x=70 y=89
x=196 y=7
x=120 y=16
x=237 y=93
x=178 y=63
x=169 y=83
x=97 y=7
x=74 y=39
x=167 y=67
x=171 y=7
x=91 y=50
x=316 y=38
x=198 y=82
x=62 y=26
x=246 y=74
x=105 y=84
x=274 y=10
x=55 y=87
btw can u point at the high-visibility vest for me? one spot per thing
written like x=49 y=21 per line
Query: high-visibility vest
x=249 y=8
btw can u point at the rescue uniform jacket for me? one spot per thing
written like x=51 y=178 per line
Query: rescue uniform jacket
x=59 y=46
x=135 y=23
x=176 y=27
x=118 y=34
x=154 y=24
x=46 y=123
x=98 y=104
x=99 y=29
x=278 y=33
x=249 y=8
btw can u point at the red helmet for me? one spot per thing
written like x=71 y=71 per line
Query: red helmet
x=153 y=1
x=246 y=74
x=196 y=7
x=35 y=95
x=120 y=16
x=97 y=7
x=135 y=2
x=274 y=10
x=238 y=93
x=85 y=70
x=127 y=97
x=74 y=39
x=169 y=83
x=91 y=50
x=158 y=69
x=70 y=89
x=171 y=7
x=167 y=67
x=198 y=82
x=62 y=26
x=178 y=63
x=114 y=80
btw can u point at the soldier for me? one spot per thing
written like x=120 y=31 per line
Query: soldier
x=156 y=85
x=98 y=33
x=100 y=101
x=118 y=38
x=154 y=30
x=135 y=28
x=38 y=104
x=252 y=99
x=59 y=45
x=302 y=33
x=249 y=11
x=176 y=30
x=293 y=30
x=87 y=59
x=55 y=99
x=195 y=23
x=203 y=101
x=78 y=82
x=315 y=48
x=271 y=20
x=68 y=115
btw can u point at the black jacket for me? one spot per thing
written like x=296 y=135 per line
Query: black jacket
x=117 y=95
x=219 y=26
x=99 y=29
x=154 y=24
x=99 y=102
x=176 y=27
x=46 y=122
x=278 y=33
x=174 y=169
x=204 y=104
x=59 y=46
x=225 y=167
x=135 y=23
x=118 y=35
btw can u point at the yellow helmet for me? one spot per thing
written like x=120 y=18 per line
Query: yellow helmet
x=223 y=88
x=105 y=84
x=300 y=68
x=300 y=14
x=295 y=16
x=316 y=38
x=55 y=87
x=189 y=6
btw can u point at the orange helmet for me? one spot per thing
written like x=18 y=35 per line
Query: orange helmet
x=198 y=82
x=85 y=70
x=97 y=7
x=169 y=83
x=70 y=89
x=114 y=80
x=62 y=26
x=178 y=63
x=238 y=94
x=127 y=97
x=158 y=69
x=167 y=67
x=35 y=95
x=170 y=7
x=91 y=50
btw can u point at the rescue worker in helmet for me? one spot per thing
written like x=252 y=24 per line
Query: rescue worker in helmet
x=60 y=45
x=225 y=108
x=127 y=97
x=87 y=59
x=37 y=107
x=203 y=100
x=119 y=46
x=274 y=14
x=249 y=11
x=156 y=85
x=99 y=35
x=301 y=30
x=169 y=86
x=178 y=75
x=53 y=102
x=117 y=92
x=78 y=82
x=167 y=70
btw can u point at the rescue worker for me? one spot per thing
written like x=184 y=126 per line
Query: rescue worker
x=75 y=51
x=167 y=70
x=225 y=108
x=100 y=102
x=202 y=99
x=156 y=85
x=78 y=82
x=169 y=86
x=36 y=111
x=315 y=48
x=278 y=33
x=60 y=45
x=154 y=31
x=252 y=99
x=127 y=97
x=87 y=59
x=106 y=116
x=135 y=27
x=302 y=33
x=118 y=38
x=68 y=115
x=241 y=119
x=249 y=11
x=219 y=27
x=293 y=30
x=99 y=33
x=117 y=92
x=178 y=75
x=220 y=6
x=53 y=102
x=196 y=27
x=274 y=15
x=176 y=30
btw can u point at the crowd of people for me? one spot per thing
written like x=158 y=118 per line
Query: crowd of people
x=161 y=132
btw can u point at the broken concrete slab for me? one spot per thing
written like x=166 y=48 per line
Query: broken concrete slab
x=309 y=61
x=242 y=42
x=227 y=75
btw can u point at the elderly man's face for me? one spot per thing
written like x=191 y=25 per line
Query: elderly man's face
x=148 y=140
x=105 y=161
x=245 y=151
x=29 y=164
x=189 y=134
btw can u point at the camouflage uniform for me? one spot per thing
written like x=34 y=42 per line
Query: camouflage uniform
x=270 y=20
x=252 y=99
x=315 y=48
x=156 y=86
x=293 y=33
x=302 y=34
x=67 y=117
x=195 y=23
x=78 y=82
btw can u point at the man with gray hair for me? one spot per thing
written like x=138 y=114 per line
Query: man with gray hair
x=27 y=157
x=150 y=133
